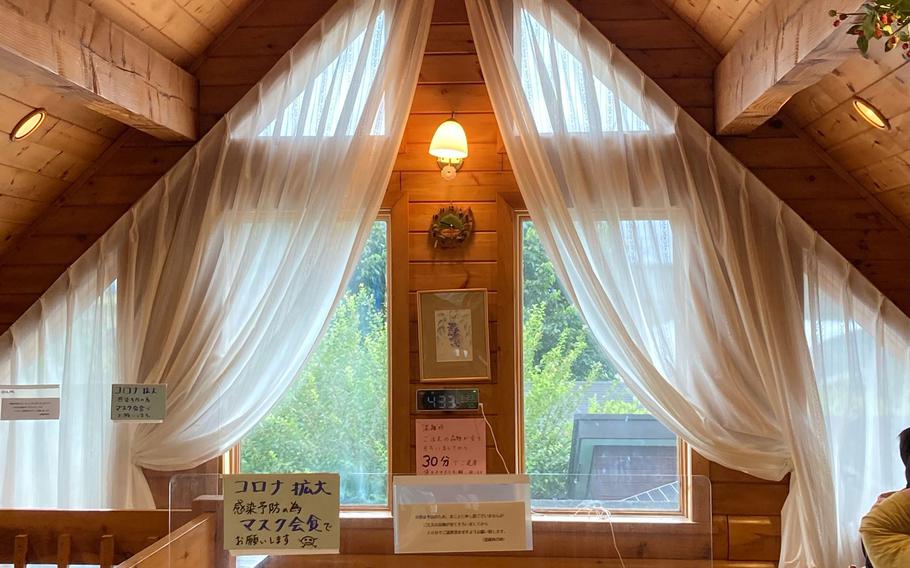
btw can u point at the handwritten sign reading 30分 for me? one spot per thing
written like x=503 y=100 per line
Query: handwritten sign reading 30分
x=282 y=513
x=451 y=446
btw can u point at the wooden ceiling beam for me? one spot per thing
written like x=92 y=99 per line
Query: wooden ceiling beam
x=72 y=49
x=789 y=47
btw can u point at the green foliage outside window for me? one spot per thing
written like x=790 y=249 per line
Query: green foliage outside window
x=334 y=417
x=560 y=365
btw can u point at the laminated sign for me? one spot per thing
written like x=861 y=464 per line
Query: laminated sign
x=29 y=402
x=138 y=403
x=296 y=513
x=462 y=513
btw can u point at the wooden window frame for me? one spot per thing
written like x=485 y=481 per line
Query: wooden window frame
x=692 y=498
x=230 y=460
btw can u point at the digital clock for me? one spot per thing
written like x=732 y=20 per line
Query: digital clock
x=448 y=399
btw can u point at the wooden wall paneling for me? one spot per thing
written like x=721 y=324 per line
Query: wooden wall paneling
x=135 y=160
x=853 y=76
x=887 y=174
x=842 y=122
x=752 y=9
x=400 y=454
x=754 y=537
x=179 y=29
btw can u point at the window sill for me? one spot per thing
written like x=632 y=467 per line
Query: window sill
x=673 y=523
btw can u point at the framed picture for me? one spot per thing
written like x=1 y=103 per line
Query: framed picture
x=452 y=327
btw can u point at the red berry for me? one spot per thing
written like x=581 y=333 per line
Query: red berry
x=836 y=23
x=843 y=16
x=906 y=46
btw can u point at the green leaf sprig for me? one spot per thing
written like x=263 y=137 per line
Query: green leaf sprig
x=885 y=20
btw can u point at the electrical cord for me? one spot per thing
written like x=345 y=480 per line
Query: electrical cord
x=495 y=443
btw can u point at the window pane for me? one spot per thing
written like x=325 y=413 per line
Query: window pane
x=335 y=415
x=587 y=438
x=539 y=52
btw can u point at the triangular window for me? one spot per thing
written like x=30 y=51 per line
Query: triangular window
x=319 y=109
x=538 y=54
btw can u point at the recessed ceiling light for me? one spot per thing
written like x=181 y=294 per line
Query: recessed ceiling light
x=871 y=114
x=28 y=124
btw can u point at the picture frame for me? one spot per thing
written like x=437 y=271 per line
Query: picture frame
x=453 y=335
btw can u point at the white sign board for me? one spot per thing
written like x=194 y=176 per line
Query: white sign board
x=462 y=527
x=462 y=513
x=451 y=446
x=138 y=403
x=45 y=408
x=29 y=402
x=282 y=514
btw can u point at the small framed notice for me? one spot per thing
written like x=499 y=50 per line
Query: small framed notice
x=138 y=403
x=282 y=514
x=29 y=402
x=451 y=446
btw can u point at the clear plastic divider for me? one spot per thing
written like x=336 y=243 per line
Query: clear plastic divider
x=633 y=517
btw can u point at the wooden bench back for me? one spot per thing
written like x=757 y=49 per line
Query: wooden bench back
x=65 y=537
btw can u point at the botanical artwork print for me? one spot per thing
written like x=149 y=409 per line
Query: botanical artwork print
x=453 y=336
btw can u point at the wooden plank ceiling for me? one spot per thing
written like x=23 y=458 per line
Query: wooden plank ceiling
x=876 y=160
x=63 y=187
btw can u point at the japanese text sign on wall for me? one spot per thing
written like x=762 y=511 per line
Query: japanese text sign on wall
x=282 y=513
x=462 y=513
x=462 y=527
x=451 y=446
x=138 y=403
x=29 y=402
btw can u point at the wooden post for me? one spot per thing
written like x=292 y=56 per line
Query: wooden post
x=20 y=551
x=106 y=554
x=64 y=546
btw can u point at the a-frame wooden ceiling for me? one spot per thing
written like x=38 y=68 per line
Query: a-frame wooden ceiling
x=101 y=148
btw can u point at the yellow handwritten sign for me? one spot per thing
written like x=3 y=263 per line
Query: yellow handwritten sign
x=282 y=513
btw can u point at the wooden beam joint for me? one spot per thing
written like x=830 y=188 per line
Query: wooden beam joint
x=74 y=50
x=789 y=47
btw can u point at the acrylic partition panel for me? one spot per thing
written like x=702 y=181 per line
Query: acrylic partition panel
x=600 y=517
x=596 y=516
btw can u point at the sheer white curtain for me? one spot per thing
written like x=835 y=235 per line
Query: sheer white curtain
x=702 y=286
x=221 y=279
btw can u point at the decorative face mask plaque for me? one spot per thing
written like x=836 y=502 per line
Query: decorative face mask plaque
x=451 y=226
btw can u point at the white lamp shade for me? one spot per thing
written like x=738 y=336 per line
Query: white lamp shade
x=449 y=141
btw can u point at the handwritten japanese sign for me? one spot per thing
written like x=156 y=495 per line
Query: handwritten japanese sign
x=138 y=403
x=462 y=527
x=451 y=446
x=282 y=513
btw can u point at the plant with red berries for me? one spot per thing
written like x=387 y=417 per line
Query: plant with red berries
x=881 y=20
